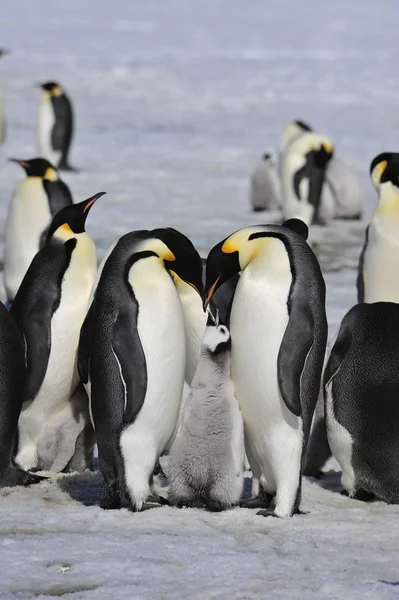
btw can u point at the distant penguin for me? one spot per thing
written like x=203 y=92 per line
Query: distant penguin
x=3 y=122
x=13 y=376
x=303 y=172
x=361 y=395
x=55 y=125
x=265 y=185
x=278 y=329
x=132 y=357
x=206 y=460
x=49 y=310
x=341 y=196
x=378 y=279
x=36 y=200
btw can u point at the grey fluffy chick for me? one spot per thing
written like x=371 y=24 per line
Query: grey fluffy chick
x=206 y=458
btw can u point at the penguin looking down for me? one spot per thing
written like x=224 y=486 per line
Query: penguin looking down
x=49 y=310
x=55 y=125
x=36 y=200
x=278 y=329
x=132 y=357
x=377 y=279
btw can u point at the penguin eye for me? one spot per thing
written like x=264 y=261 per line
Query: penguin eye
x=223 y=329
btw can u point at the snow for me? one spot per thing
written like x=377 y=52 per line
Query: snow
x=175 y=102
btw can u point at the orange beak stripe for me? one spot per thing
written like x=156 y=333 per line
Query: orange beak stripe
x=212 y=289
x=86 y=208
x=194 y=287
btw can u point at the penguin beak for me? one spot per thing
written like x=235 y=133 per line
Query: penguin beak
x=24 y=163
x=220 y=266
x=89 y=203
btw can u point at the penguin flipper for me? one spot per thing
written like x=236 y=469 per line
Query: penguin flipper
x=129 y=353
x=295 y=346
x=85 y=344
x=37 y=298
x=360 y=274
x=340 y=348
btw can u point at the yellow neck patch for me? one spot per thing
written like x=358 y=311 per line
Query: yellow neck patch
x=50 y=175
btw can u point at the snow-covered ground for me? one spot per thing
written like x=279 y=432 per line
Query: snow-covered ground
x=175 y=101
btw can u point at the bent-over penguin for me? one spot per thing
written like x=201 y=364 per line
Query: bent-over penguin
x=279 y=330
x=55 y=125
x=132 y=357
x=378 y=279
x=207 y=456
x=361 y=394
x=49 y=309
x=36 y=200
x=12 y=382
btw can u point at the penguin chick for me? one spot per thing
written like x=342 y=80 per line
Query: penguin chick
x=265 y=185
x=206 y=458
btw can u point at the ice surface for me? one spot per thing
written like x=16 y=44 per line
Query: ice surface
x=175 y=102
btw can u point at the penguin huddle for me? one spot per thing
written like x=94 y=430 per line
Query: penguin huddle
x=309 y=182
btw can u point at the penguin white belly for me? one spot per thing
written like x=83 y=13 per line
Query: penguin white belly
x=161 y=330
x=380 y=269
x=341 y=444
x=29 y=214
x=45 y=124
x=273 y=434
x=194 y=325
x=62 y=376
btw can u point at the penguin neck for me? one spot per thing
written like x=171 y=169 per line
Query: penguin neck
x=210 y=369
x=194 y=325
x=270 y=262
x=386 y=215
x=149 y=272
x=83 y=264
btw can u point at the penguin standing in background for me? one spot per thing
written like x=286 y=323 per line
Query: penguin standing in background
x=55 y=125
x=3 y=126
x=278 y=329
x=49 y=310
x=36 y=200
x=361 y=401
x=206 y=459
x=132 y=357
x=13 y=377
x=378 y=279
x=265 y=185
x=303 y=169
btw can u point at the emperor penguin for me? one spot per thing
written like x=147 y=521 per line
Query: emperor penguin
x=303 y=171
x=49 y=309
x=378 y=264
x=3 y=125
x=206 y=459
x=265 y=185
x=278 y=329
x=36 y=200
x=361 y=392
x=13 y=377
x=341 y=196
x=132 y=357
x=55 y=125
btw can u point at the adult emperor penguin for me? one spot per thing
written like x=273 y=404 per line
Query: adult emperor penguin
x=303 y=170
x=36 y=200
x=265 y=185
x=378 y=265
x=279 y=330
x=55 y=125
x=341 y=196
x=49 y=309
x=132 y=353
x=361 y=391
x=206 y=459
x=13 y=376
x=3 y=127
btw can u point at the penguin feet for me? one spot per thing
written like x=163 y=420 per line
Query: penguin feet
x=269 y=512
x=263 y=500
x=13 y=476
x=214 y=506
x=360 y=495
x=110 y=497
x=27 y=458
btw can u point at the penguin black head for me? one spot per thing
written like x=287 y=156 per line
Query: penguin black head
x=183 y=259
x=384 y=168
x=71 y=219
x=38 y=167
x=52 y=87
x=234 y=253
x=302 y=125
